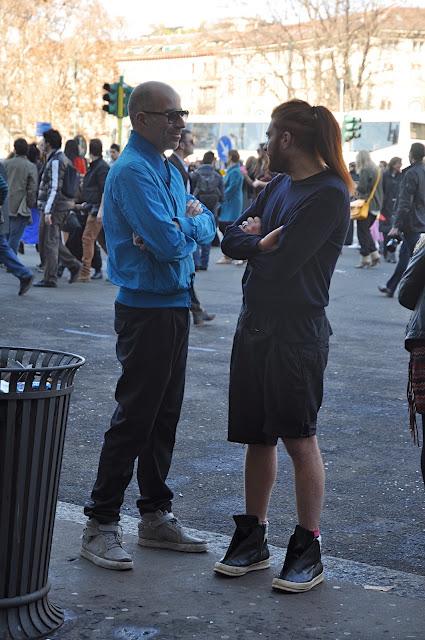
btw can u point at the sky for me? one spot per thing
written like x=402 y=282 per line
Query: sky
x=173 y=13
x=140 y=15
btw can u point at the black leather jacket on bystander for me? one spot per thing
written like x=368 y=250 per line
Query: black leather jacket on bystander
x=412 y=295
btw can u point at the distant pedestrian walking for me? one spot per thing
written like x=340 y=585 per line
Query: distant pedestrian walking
x=54 y=203
x=292 y=236
x=231 y=207
x=208 y=188
x=7 y=256
x=369 y=187
x=409 y=220
x=114 y=152
x=391 y=185
x=177 y=159
x=93 y=186
x=22 y=178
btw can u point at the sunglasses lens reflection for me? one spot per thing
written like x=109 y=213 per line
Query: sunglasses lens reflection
x=175 y=116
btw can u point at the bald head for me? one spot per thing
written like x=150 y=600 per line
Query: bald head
x=150 y=96
x=150 y=106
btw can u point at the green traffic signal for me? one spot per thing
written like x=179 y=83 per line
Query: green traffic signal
x=117 y=97
x=127 y=90
x=111 y=98
x=351 y=128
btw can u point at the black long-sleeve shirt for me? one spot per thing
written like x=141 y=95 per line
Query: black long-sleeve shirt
x=295 y=277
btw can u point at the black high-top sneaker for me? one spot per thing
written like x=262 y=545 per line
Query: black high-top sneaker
x=302 y=568
x=248 y=550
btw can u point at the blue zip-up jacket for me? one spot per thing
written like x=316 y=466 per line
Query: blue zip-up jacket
x=144 y=195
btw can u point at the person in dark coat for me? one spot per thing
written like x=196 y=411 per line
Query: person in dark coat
x=391 y=184
x=412 y=296
x=177 y=158
x=93 y=186
x=409 y=220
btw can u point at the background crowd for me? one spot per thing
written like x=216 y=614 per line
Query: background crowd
x=54 y=202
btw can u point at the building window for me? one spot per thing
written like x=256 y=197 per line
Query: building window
x=417 y=130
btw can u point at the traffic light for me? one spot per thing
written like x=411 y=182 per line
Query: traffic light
x=116 y=98
x=351 y=128
x=126 y=97
x=111 y=97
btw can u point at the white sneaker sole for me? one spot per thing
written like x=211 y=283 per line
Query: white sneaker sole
x=228 y=570
x=173 y=546
x=106 y=564
x=294 y=587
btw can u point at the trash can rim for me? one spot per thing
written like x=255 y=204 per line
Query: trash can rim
x=61 y=367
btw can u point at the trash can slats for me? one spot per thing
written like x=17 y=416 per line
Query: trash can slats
x=36 y=387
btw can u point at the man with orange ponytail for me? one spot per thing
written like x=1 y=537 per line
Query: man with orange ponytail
x=291 y=236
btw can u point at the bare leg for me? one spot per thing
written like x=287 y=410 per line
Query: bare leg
x=260 y=476
x=309 y=479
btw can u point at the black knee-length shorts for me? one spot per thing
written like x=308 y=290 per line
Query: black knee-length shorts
x=276 y=377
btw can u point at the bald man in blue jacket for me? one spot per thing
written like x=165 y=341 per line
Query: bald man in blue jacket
x=152 y=226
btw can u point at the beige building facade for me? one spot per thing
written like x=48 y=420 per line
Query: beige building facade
x=248 y=67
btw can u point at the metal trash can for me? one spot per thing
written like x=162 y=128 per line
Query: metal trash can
x=35 y=391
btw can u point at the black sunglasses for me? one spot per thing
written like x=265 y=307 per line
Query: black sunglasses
x=174 y=115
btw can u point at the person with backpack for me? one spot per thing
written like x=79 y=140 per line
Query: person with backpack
x=59 y=184
x=177 y=159
x=208 y=188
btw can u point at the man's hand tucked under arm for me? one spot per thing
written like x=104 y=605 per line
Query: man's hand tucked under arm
x=193 y=208
x=138 y=242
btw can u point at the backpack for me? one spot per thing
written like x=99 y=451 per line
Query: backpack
x=206 y=189
x=71 y=182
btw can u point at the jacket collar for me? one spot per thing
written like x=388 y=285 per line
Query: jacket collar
x=417 y=163
x=146 y=148
x=53 y=153
x=180 y=161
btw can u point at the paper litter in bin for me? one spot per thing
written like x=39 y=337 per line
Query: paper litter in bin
x=4 y=386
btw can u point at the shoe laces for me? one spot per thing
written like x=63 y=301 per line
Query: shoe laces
x=113 y=539
x=171 y=518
